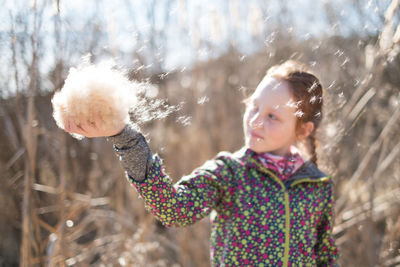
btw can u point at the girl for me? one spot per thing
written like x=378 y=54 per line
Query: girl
x=270 y=206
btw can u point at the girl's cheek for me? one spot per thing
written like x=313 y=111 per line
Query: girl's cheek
x=269 y=124
x=275 y=130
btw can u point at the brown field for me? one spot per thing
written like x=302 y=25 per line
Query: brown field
x=65 y=202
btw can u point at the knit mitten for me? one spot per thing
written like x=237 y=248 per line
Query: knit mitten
x=133 y=151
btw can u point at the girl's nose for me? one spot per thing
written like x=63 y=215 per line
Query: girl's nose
x=256 y=122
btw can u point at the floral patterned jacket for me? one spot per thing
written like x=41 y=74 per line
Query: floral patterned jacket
x=257 y=220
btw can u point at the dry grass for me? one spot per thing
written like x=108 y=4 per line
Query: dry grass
x=66 y=203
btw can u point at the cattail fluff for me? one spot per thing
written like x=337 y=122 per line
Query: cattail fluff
x=95 y=91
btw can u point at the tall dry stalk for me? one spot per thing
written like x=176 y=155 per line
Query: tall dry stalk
x=79 y=210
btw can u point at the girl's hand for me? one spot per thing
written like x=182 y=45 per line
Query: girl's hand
x=91 y=128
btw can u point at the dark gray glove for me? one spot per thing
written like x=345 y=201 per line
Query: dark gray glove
x=133 y=151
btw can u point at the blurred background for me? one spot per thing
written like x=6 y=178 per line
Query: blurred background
x=65 y=202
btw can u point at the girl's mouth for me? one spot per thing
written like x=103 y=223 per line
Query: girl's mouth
x=255 y=135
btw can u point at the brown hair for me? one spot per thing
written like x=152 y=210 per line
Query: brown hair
x=307 y=90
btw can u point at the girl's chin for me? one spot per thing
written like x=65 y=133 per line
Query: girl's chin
x=256 y=148
x=259 y=148
x=255 y=144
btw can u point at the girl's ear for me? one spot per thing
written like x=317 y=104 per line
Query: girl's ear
x=305 y=130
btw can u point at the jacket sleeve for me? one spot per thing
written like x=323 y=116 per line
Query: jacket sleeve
x=189 y=200
x=325 y=249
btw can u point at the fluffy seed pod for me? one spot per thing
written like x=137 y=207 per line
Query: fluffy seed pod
x=95 y=91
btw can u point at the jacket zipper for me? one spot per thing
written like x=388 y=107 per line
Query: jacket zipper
x=287 y=212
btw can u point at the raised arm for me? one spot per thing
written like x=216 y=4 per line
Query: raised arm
x=192 y=198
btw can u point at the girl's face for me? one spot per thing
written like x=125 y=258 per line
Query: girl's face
x=269 y=121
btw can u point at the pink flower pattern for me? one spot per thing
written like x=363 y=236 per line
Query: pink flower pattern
x=283 y=166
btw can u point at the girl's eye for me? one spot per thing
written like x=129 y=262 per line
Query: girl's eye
x=272 y=116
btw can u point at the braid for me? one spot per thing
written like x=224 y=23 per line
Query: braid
x=313 y=146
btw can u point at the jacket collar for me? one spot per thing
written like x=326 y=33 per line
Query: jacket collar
x=308 y=170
